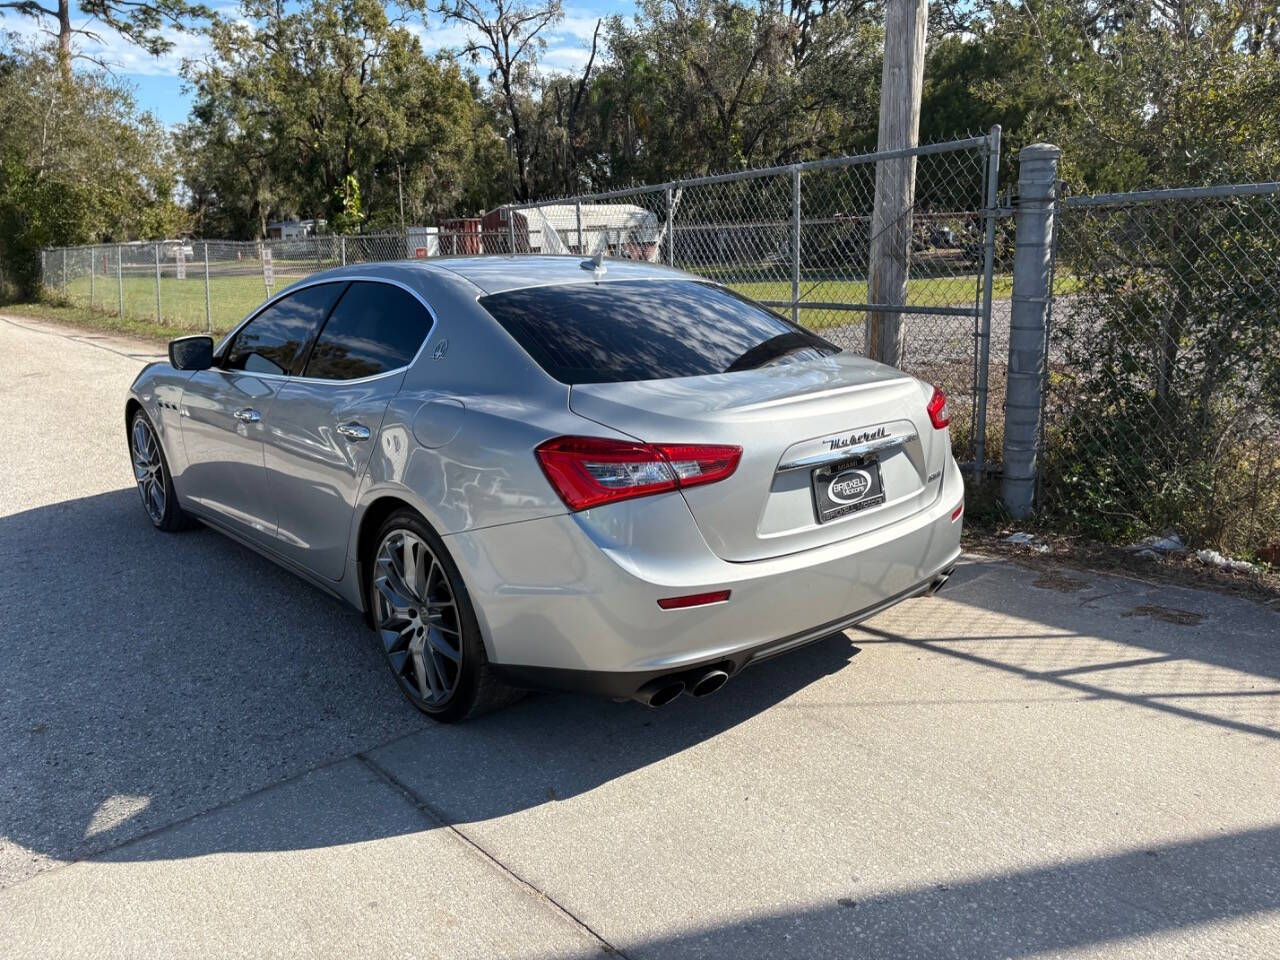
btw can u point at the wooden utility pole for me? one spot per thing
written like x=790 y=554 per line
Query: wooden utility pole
x=900 y=88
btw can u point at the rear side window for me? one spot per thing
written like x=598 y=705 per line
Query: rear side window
x=375 y=327
x=646 y=330
x=273 y=341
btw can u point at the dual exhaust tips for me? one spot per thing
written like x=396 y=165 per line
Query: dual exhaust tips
x=660 y=692
x=940 y=581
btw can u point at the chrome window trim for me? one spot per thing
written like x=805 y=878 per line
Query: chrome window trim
x=295 y=288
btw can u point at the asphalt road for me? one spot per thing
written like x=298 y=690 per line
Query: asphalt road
x=200 y=755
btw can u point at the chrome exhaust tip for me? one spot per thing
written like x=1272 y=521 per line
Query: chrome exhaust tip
x=709 y=683
x=660 y=692
x=939 y=581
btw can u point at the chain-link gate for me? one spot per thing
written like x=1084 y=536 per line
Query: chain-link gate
x=798 y=239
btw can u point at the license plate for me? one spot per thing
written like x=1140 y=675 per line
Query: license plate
x=846 y=487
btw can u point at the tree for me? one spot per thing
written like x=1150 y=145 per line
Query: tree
x=78 y=164
x=564 y=135
x=296 y=113
x=509 y=36
x=1168 y=350
x=711 y=85
x=138 y=21
x=1160 y=93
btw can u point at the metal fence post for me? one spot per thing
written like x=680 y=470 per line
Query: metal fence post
x=992 y=202
x=671 y=229
x=795 y=244
x=44 y=269
x=64 y=271
x=1032 y=273
x=120 y=279
x=577 y=212
x=93 y=269
x=208 y=313
x=342 y=247
x=511 y=228
x=159 y=315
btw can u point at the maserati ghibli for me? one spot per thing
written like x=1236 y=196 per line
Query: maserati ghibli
x=541 y=472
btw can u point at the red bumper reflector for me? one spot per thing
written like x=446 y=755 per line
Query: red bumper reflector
x=955 y=514
x=693 y=600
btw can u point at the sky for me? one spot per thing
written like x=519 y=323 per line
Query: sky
x=159 y=89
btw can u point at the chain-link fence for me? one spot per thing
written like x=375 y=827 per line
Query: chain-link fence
x=799 y=240
x=1158 y=370
x=1162 y=398
x=198 y=286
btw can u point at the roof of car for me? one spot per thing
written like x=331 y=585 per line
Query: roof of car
x=496 y=273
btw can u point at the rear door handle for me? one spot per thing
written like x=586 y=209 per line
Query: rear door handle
x=354 y=431
x=247 y=415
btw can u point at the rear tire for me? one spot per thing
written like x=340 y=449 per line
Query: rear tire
x=426 y=624
x=151 y=473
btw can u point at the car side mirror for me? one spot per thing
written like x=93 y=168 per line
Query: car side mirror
x=191 y=353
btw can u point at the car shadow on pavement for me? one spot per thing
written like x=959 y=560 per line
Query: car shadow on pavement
x=149 y=677
x=1112 y=640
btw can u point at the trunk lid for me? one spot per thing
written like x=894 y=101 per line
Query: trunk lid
x=790 y=419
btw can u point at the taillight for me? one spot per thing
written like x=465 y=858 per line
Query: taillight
x=938 y=412
x=589 y=471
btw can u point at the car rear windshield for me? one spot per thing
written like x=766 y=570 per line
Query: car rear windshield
x=622 y=330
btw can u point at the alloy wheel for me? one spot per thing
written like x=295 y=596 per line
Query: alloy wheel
x=417 y=617
x=148 y=469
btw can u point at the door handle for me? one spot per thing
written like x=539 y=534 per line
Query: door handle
x=247 y=415
x=354 y=431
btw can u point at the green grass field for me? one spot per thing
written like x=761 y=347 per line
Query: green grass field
x=232 y=297
x=956 y=291
x=182 y=302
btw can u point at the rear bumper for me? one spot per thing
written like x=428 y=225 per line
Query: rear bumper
x=571 y=601
x=625 y=684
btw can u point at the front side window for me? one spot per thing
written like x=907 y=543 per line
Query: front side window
x=625 y=330
x=375 y=327
x=274 y=340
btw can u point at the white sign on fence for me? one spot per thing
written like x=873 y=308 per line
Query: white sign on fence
x=268 y=270
x=182 y=261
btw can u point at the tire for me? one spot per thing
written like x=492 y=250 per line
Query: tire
x=438 y=659
x=152 y=476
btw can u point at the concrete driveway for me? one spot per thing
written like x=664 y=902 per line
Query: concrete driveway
x=202 y=756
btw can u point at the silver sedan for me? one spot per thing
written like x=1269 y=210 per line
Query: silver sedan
x=608 y=477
